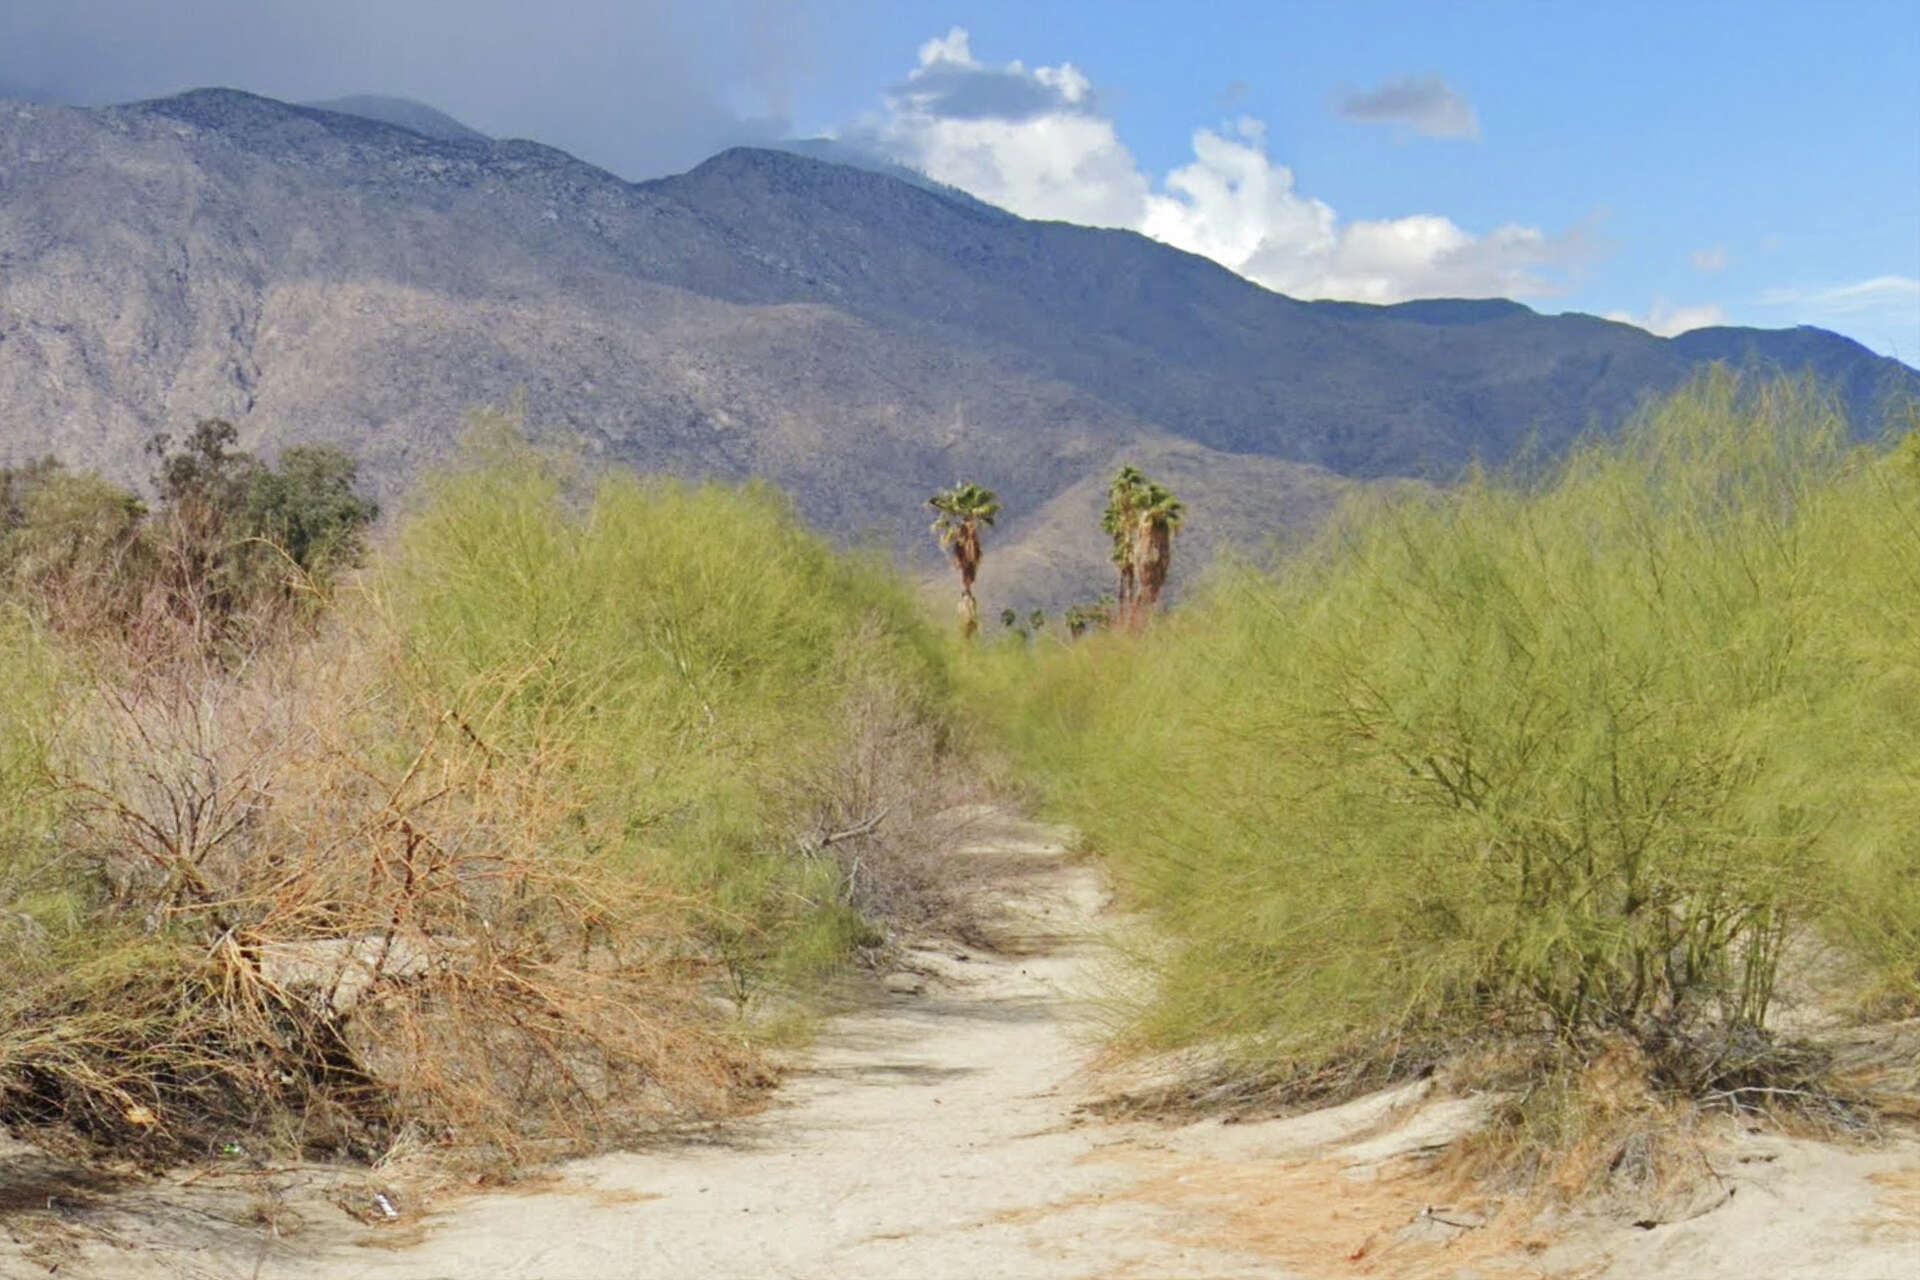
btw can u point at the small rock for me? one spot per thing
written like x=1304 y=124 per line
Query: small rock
x=904 y=984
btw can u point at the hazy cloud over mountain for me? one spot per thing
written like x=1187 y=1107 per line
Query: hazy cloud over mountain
x=643 y=87
x=1427 y=105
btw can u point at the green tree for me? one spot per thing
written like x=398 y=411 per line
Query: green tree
x=206 y=470
x=233 y=534
x=203 y=485
x=309 y=507
x=965 y=510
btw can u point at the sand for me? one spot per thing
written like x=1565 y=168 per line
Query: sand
x=939 y=1131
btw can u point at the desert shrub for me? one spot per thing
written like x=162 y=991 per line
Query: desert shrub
x=694 y=649
x=499 y=855
x=238 y=545
x=28 y=721
x=1857 y=762
x=233 y=550
x=72 y=547
x=1569 y=760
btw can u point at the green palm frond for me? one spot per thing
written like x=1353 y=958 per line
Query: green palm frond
x=961 y=505
x=1159 y=507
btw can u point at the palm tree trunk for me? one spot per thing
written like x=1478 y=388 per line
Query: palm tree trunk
x=1156 y=556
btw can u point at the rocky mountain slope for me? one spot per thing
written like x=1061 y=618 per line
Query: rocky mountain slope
x=317 y=275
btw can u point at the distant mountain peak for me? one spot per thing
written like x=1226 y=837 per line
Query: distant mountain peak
x=403 y=113
x=249 y=116
x=862 y=186
x=834 y=151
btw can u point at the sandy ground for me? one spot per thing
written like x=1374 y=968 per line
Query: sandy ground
x=939 y=1133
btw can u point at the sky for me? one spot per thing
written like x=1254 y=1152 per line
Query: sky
x=1672 y=164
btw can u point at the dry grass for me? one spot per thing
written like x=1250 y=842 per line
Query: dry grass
x=491 y=860
x=298 y=941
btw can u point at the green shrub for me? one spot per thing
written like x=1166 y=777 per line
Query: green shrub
x=1573 y=759
x=72 y=547
x=473 y=857
x=682 y=657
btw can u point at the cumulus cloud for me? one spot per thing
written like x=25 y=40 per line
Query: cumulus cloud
x=1710 y=260
x=1428 y=105
x=1029 y=140
x=1667 y=321
x=950 y=84
x=1034 y=140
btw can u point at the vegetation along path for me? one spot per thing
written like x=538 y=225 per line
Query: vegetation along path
x=940 y=1132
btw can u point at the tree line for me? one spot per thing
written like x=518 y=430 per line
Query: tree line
x=1141 y=519
x=230 y=542
x=232 y=538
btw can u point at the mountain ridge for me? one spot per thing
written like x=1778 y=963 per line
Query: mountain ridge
x=857 y=338
x=404 y=113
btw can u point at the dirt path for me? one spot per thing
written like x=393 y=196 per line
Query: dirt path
x=938 y=1134
x=931 y=1136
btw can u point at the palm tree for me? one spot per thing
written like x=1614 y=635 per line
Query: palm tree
x=965 y=510
x=1120 y=524
x=1159 y=516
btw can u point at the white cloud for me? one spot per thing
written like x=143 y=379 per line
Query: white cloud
x=1430 y=106
x=1035 y=141
x=1881 y=292
x=1710 y=260
x=956 y=47
x=1883 y=312
x=1668 y=321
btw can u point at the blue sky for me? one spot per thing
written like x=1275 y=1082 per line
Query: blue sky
x=1757 y=163
x=1674 y=164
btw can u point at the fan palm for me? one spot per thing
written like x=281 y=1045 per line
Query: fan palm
x=1120 y=523
x=1157 y=518
x=965 y=510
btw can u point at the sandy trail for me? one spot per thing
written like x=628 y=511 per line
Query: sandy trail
x=937 y=1133
x=933 y=1135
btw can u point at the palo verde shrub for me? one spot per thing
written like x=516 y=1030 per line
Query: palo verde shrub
x=1571 y=760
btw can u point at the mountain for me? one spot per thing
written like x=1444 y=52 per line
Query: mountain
x=404 y=112
x=313 y=274
x=833 y=151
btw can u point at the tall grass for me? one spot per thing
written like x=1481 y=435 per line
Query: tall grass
x=1571 y=761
